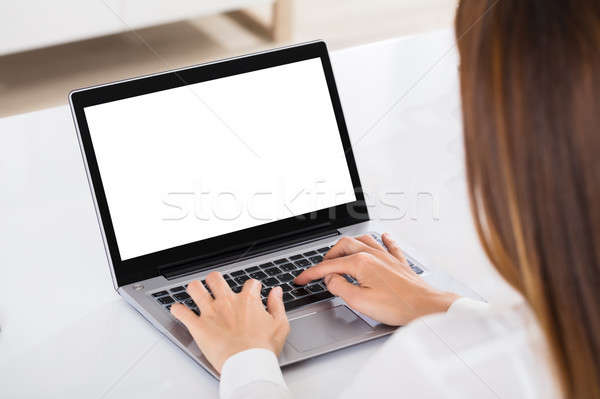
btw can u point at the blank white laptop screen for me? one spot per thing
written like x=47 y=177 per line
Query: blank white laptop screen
x=203 y=160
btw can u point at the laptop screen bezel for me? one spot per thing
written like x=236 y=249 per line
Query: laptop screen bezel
x=147 y=266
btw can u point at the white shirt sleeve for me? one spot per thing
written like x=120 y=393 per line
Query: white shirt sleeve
x=253 y=373
x=469 y=306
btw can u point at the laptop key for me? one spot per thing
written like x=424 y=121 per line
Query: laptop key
x=287 y=297
x=160 y=293
x=315 y=288
x=316 y=259
x=307 y=300
x=238 y=273
x=280 y=261
x=416 y=269
x=258 y=275
x=285 y=277
x=166 y=300
x=323 y=250
x=270 y=282
x=237 y=289
x=242 y=279
x=285 y=287
x=266 y=265
x=300 y=292
x=302 y=263
x=190 y=303
x=231 y=283
x=177 y=289
x=265 y=291
x=182 y=296
x=252 y=269
x=288 y=267
x=296 y=273
x=296 y=257
x=310 y=253
x=273 y=271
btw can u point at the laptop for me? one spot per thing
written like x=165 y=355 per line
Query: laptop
x=243 y=166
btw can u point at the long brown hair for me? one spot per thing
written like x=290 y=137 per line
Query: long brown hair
x=530 y=85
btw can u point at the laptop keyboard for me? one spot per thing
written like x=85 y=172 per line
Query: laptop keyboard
x=279 y=272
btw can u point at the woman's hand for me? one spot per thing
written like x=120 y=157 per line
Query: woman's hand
x=389 y=291
x=232 y=323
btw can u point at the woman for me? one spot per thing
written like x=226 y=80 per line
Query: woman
x=530 y=78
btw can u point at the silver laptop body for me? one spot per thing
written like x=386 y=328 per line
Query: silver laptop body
x=151 y=280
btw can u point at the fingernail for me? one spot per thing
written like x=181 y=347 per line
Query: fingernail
x=279 y=291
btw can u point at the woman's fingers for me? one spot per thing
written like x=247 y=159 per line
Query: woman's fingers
x=347 y=264
x=252 y=288
x=276 y=309
x=347 y=246
x=200 y=295
x=218 y=285
x=275 y=304
x=368 y=240
x=393 y=248
x=339 y=286
x=184 y=315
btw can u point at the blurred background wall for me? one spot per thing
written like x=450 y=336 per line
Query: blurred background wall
x=49 y=47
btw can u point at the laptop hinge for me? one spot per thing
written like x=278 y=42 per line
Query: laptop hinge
x=252 y=251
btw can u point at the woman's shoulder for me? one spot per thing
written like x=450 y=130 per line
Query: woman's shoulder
x=471 y=351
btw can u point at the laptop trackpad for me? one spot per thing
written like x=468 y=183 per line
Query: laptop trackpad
x=325 y=328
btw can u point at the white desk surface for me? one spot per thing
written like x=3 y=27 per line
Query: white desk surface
x=66 y=333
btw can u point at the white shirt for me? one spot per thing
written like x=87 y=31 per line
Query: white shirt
x=471 y=351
